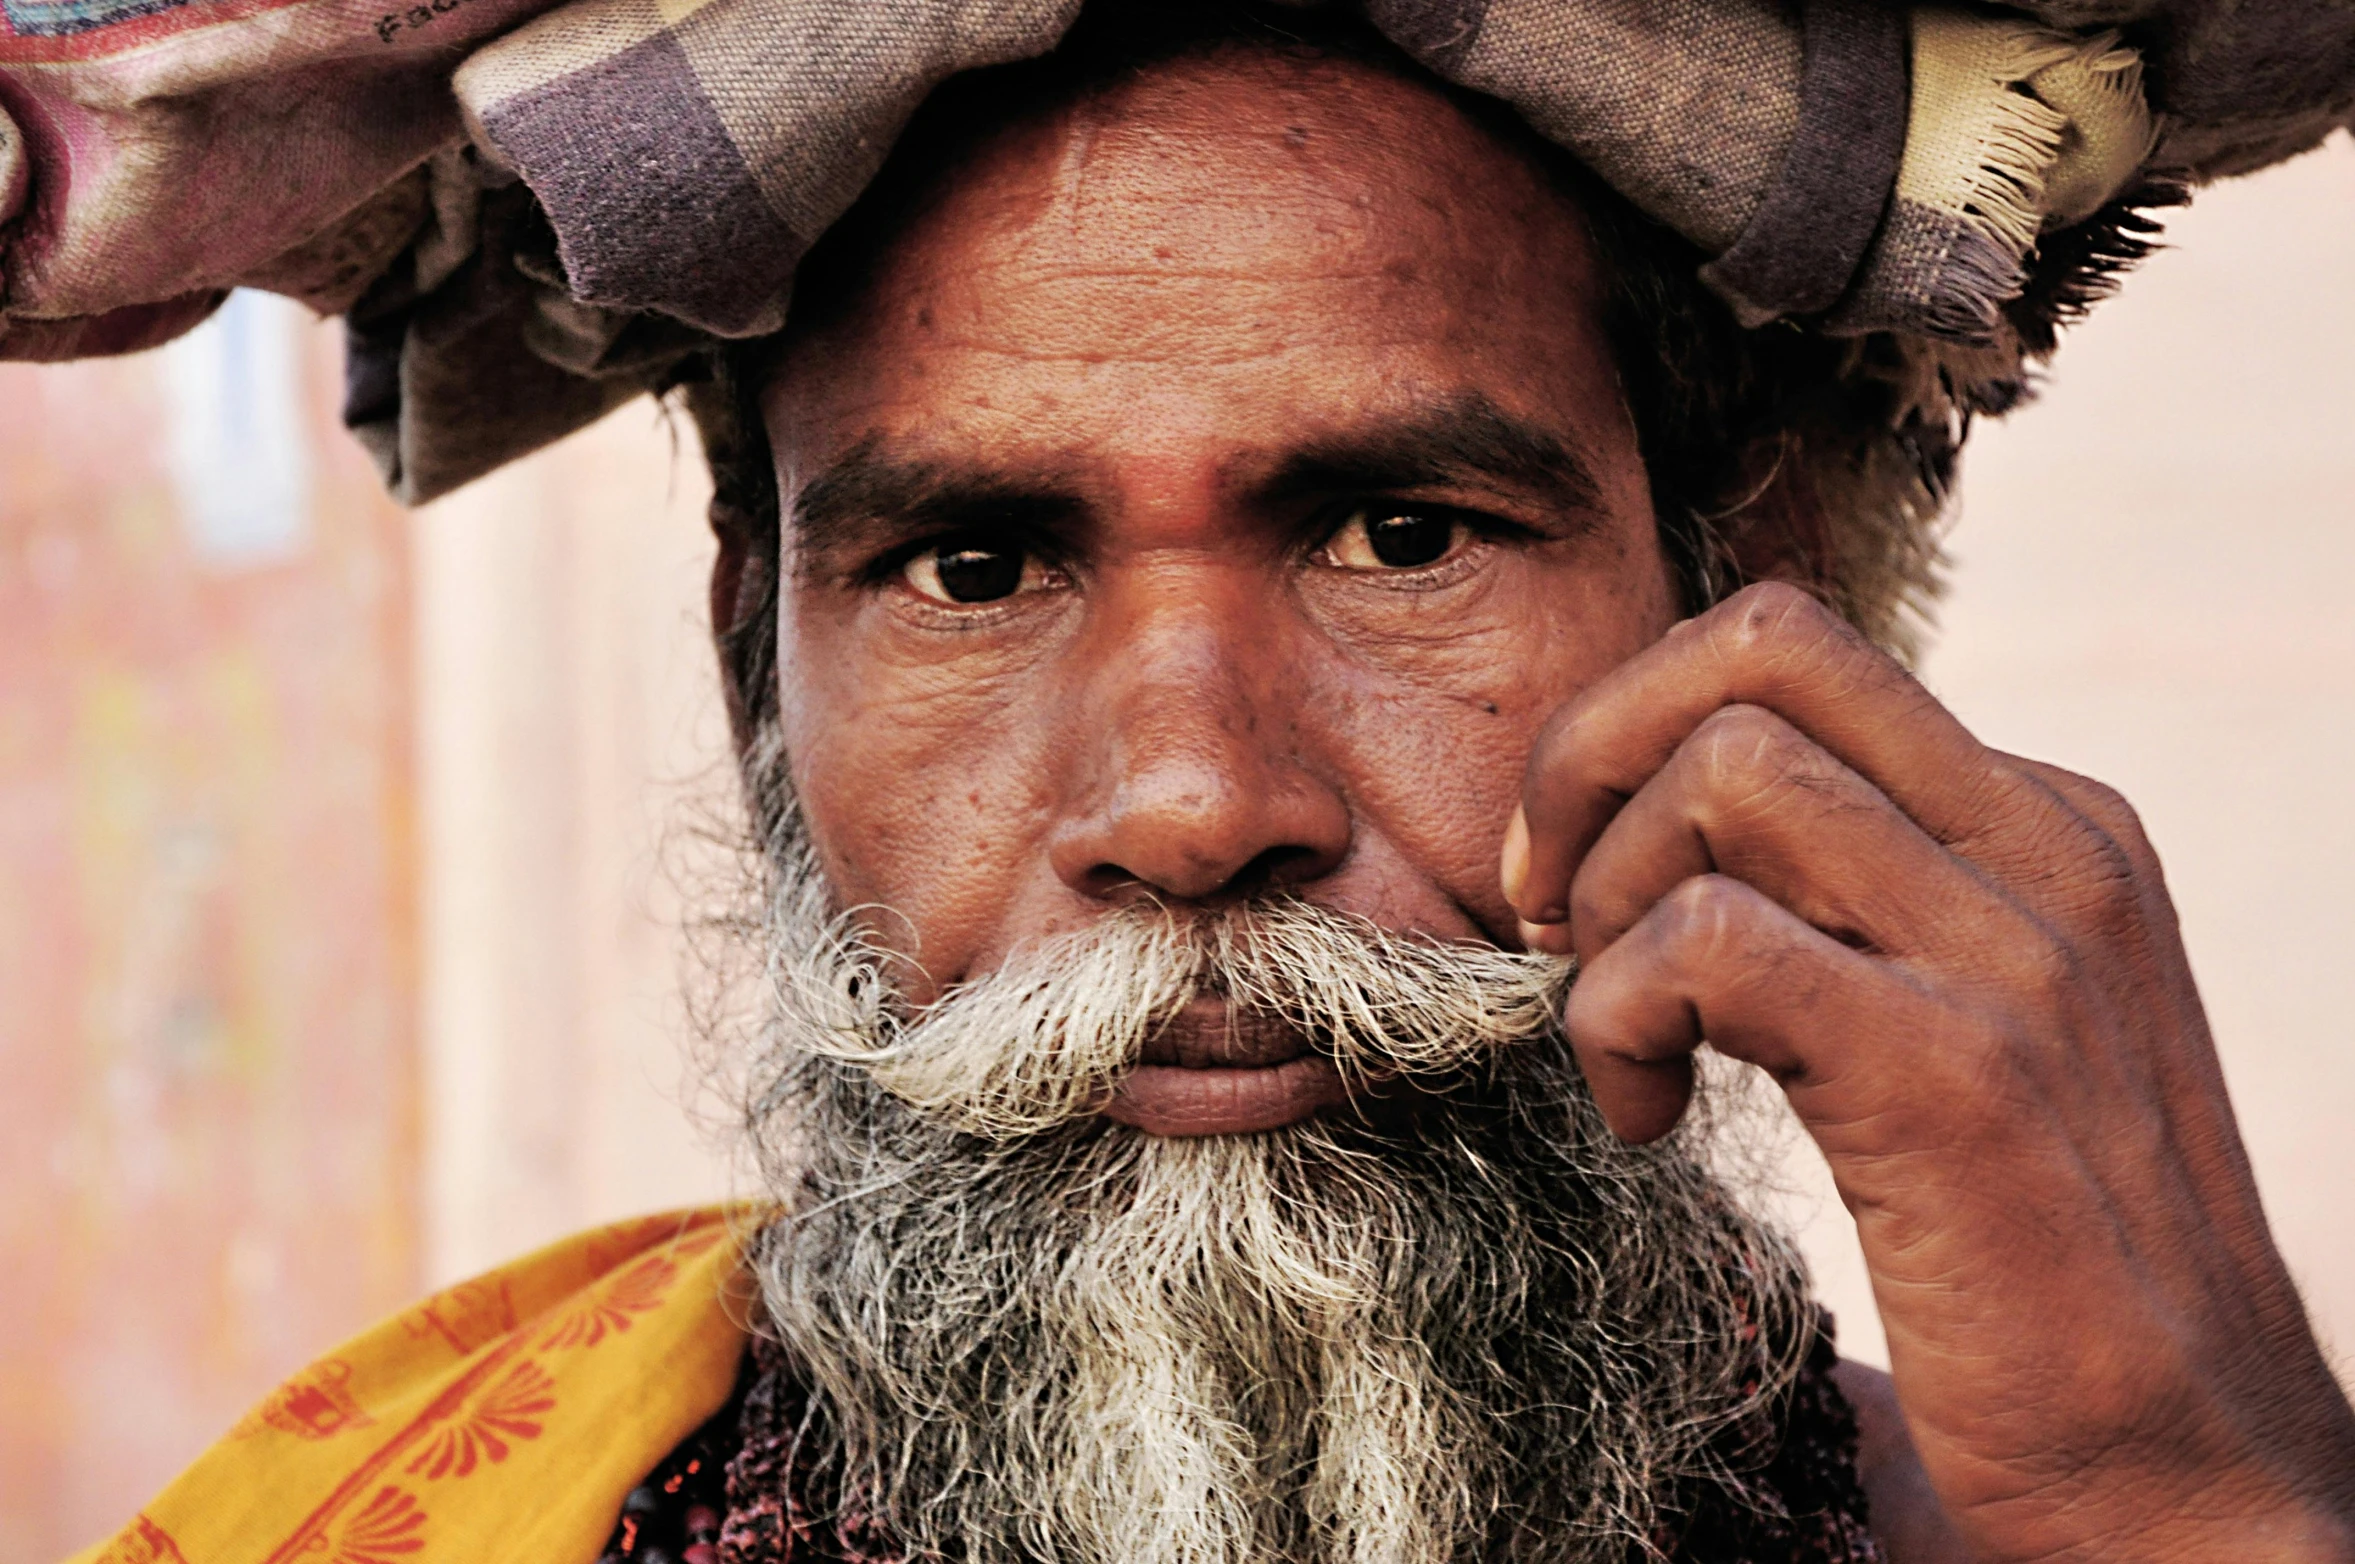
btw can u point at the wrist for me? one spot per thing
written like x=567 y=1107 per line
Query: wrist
x=2306 y=1516
x=2187 y=1501
x=2294 y=1534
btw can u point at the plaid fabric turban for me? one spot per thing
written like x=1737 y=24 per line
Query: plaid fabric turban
x=532 y=211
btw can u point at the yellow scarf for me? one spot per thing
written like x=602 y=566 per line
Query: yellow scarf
x=503 y=1419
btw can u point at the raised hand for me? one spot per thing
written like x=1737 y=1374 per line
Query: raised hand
x=1964 y=970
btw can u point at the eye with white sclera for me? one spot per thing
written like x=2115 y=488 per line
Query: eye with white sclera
x=1394 y=540
x=972 y=572
x=967 y=572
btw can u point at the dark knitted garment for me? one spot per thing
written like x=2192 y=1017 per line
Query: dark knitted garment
x=738 y=1492
x=1806 y=1505
x=674 y=1516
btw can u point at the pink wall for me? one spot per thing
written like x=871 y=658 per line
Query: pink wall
x=207 y=1024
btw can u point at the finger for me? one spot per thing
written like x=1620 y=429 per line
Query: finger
x=1750 y=796
x=1715 y=960
x=2099 y=803
x=1769 y=646
x=2098 y=808
x=2104 y=883
x=2075 y=853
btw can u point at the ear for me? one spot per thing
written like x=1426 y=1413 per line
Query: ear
x=738 y=589
x=728 y=571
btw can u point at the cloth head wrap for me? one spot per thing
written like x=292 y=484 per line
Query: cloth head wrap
x=532 y=211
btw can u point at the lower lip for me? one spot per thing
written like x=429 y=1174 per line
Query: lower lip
x=1168 y=1099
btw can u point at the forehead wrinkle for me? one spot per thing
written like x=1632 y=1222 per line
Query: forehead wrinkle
x=1216 y=322
x=1219 y=291
x=1155 y=125
x=1154 y=164
x=1172 y=222
x=1170 y=351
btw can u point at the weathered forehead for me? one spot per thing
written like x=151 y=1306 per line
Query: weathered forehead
x=1173 y=236
x=1234 y=158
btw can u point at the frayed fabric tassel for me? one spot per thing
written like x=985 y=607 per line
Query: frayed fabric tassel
x=1978 y=143
x=2013 y=130
x=2075 y=268
x=2112 y=131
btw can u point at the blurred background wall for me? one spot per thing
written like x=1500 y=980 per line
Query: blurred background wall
x=341 y=851
x=209 y=878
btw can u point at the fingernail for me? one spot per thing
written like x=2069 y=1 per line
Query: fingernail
x=1544 y=936
x=1515 y=868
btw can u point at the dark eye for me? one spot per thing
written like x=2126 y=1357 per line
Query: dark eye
x=969 y=570
x=1394 y=540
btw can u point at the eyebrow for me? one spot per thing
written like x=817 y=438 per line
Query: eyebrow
x=1463 y=439
x=869 y=490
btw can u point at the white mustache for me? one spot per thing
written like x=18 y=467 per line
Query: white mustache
x=1047 y=1036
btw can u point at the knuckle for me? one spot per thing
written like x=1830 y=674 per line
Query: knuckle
x=2109 y=882
x=1701 y=916
x=1740 y=734
x=2100 y=800
x=2084 y=873
x=1745 y=760
x=1774 y=617
x=2102 y=806
x=2036 y=964
x=2120 y=820
x=1780 y=635
x=1772 y=605
x=1725 y=751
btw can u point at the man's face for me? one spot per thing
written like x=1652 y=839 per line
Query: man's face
x=1211 y=492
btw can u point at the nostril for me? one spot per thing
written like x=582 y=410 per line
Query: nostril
x=1106 y=880
x=1275 y=867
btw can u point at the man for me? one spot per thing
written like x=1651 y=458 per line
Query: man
x=1225 y=585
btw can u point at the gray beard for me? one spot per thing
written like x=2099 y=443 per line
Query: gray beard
x=1484 y=1329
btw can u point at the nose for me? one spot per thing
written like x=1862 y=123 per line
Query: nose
x=1189 y=772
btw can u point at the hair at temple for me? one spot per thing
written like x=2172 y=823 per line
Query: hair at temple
x=1770 y=452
